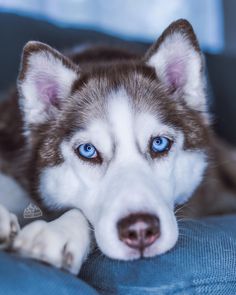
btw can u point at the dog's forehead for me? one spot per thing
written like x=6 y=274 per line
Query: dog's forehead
x=140 y=87
x=137 y=84
x=129 y=120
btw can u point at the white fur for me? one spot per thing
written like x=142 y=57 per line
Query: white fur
x=128 y=181
x=64 y=242
x=176 y=48
x=13 y=201
x=44 y=66
x=9 y=227
x=12 y=195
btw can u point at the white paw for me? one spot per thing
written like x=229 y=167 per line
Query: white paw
x=9 y=227
x=58 y=243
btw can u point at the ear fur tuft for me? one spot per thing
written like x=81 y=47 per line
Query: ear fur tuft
x=45 y=80
x=178 y=62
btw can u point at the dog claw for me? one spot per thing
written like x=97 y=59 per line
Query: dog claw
x=68 y=259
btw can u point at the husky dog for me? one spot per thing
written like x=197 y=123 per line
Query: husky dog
x=115 y=141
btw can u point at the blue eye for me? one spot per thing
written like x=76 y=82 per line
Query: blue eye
x=87 y=151
x=160 y=144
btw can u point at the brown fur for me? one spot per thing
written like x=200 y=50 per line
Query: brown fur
x=217 y=193
x=99 y=72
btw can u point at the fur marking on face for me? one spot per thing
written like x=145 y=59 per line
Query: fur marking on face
x=118 y=139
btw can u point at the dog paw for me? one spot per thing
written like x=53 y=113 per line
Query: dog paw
x=54 y=243
x=9 y=227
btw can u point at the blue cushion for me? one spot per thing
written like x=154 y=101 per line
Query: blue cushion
x=27 y=277
x=203 y=262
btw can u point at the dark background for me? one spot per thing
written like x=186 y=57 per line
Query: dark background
x=16 y=30
x=230 y=26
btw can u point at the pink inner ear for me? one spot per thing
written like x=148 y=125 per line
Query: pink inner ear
x=176 y=73
x=48 y=90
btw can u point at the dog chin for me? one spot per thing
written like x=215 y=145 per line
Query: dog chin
x=128 y=254
x=119 y=251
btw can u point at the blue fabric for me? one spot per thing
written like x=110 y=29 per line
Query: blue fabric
x=203 y=262
x=26 y=277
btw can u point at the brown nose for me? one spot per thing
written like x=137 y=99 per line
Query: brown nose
x=139 y=230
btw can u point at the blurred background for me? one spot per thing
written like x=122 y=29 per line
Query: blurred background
x=132 y=24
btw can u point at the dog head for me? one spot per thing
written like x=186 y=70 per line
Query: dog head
x=124 y=142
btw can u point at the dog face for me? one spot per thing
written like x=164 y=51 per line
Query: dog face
x=123 y=142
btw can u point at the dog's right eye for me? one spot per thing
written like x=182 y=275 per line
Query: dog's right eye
x=160 y=145
x=87 y=151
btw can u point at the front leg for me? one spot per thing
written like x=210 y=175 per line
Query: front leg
x=9 y=227
x=63 y=242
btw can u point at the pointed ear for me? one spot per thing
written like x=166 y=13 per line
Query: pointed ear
x=178 y=62
x=44 y=81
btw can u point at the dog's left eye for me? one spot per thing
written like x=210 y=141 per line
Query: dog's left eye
x=87 y=150
x=160 y=144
